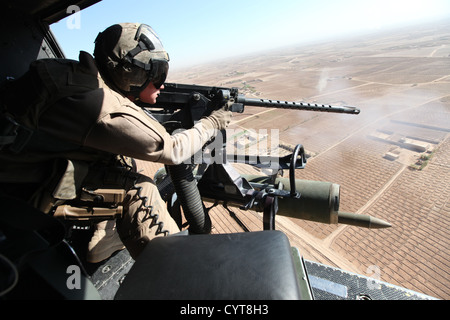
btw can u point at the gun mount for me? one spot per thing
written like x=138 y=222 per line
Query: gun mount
x=316 y=201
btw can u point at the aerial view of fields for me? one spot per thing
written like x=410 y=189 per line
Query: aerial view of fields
x=392 y=161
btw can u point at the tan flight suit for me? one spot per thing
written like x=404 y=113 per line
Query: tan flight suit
x=89 y=128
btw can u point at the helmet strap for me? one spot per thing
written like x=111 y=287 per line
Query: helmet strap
x=144 y=44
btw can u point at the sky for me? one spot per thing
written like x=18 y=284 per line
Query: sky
x=199 y=31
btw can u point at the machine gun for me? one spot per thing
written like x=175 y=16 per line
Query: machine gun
x=181 y=105
x=184 y=103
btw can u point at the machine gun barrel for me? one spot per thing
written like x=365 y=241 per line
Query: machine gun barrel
x=267 y=103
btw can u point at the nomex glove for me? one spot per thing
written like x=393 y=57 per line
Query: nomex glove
x=221 y=118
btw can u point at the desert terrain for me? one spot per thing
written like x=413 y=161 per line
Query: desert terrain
x=392 y=161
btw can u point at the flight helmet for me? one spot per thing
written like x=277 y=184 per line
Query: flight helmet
x=129 y=56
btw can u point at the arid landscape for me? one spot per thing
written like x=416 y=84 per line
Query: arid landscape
x=392 y=160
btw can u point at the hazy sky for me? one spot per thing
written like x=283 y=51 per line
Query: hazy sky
x=196 y=31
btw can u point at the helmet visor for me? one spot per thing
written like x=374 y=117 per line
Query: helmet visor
x=146 y=34
x=158 y=74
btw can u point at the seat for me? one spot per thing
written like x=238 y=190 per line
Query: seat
x=240 y=266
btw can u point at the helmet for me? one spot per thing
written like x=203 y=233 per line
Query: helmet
x=130 y=56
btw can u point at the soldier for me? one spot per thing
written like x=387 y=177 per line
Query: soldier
x=70 y=127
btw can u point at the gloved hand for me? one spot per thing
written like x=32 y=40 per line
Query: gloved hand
x=221 y=118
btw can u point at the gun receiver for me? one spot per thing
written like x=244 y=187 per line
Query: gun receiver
x=202 y=100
